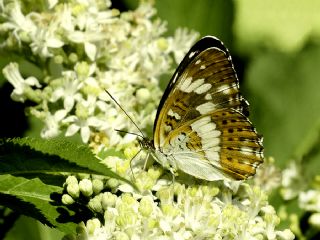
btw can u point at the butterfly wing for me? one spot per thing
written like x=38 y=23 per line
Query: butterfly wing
x=221 y=144
x=205 y=84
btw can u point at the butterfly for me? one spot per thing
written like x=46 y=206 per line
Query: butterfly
x=201 y=126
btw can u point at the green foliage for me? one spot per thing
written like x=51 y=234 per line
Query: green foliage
x=30 y=155
x=29 y=228
x=285 y=109
x=33 y=198
x=111 y=152
x=275 y=24
x=31 y=177
x=209 y=17
x=286 y=103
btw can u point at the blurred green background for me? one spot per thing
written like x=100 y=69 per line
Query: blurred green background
x=275 y=46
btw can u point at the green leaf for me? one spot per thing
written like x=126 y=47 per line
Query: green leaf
x=31 y=179
x=285 y=106
x=7 y=220
x=275 y=24
x=33 y=198
x=36 y=156
x=209 y=17
x=111 y=152
x=29 y=228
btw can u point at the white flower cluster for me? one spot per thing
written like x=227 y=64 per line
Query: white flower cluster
x=268 y=176
x=292 y=183
x=307 y=192
x=310 y=201
x=176 y=211
x=82 y=48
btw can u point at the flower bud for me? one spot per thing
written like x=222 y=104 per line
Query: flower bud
x=92 y=224
x=71 y=179
x=95 y=204
x=314 y=220
x=67 y=199
x=145 y=207
x=97 y=186
x=73 y=190
x=108 y=200
x=85 y=186
x=143 y=95
x=113 y=183
x=121 y=236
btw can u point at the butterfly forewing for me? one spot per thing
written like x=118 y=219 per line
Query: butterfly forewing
x=205 y=81
x=201 y=125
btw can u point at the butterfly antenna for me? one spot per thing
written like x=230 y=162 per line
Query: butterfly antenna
x=126 y=114
x=122 y=131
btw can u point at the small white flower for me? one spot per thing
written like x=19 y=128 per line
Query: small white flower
x=52 y=3
x=268 y=176
x=68 y=90
x=310 y=200
x=17 y=22
x=22 y=87
x=314 y=220
x=64 y=18
x=289 y=174
x=82 y=125
x=181 y=35
x=43 y=40
x=292 y=183
x=86 y=39
x=90 y=30
x=53 y=123
x=84 y=119
x=285 y=235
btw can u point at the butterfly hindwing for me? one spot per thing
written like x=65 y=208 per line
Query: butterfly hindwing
x=201 y=126
x=241 y=148
x=221 y=144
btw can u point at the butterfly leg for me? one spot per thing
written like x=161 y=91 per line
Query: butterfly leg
x=146 y=161
x=173 y=173
x=131 y=160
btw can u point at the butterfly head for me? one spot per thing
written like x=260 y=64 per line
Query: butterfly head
x=146 y=143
